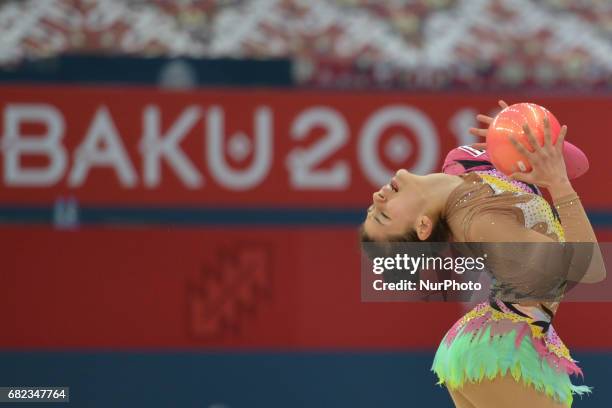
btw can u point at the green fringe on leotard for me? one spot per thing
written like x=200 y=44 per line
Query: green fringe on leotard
x=475 y=358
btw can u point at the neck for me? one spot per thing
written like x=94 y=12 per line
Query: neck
x=439 y=187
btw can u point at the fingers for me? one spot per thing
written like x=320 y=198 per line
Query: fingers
x=478 y=132
x=481 y=132
x=561 y=138
x=487 y=120
x=525 y=177
x=530 y=137
x=484 y=119
x=518 y=146
x=547 y=136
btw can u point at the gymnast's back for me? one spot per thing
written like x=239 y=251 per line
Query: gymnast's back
x=533 y=250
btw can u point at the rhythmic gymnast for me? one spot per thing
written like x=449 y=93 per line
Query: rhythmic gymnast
x=504 y=352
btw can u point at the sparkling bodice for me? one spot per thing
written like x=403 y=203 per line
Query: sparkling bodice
x=537 y=213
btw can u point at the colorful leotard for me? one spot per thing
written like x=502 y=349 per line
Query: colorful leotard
x=505 y=336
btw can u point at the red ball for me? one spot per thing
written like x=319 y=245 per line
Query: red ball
x=509 y=122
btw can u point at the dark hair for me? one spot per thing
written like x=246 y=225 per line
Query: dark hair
x=373 y=248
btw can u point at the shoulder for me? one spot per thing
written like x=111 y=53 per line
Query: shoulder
x=478 y=211
x=465 y=191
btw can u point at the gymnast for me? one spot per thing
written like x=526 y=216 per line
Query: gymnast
x=505 y=351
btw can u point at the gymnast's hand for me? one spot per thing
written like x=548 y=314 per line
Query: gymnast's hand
x=548 y=166
x=487 y=121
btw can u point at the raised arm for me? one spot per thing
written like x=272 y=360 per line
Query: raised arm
x=549 y=172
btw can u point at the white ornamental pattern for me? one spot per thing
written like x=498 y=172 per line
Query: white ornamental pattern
x=422 y=43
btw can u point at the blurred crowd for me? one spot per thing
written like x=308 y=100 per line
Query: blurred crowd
x=338 y=43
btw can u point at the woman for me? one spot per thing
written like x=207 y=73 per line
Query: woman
x=505 y=352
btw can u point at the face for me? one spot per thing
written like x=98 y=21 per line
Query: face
x=397 y=207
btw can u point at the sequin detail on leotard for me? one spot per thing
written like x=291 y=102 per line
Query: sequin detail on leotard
x=535 y=211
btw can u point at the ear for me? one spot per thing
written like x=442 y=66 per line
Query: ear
x=423 y=227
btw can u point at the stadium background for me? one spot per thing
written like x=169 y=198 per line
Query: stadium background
x=182 y=182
